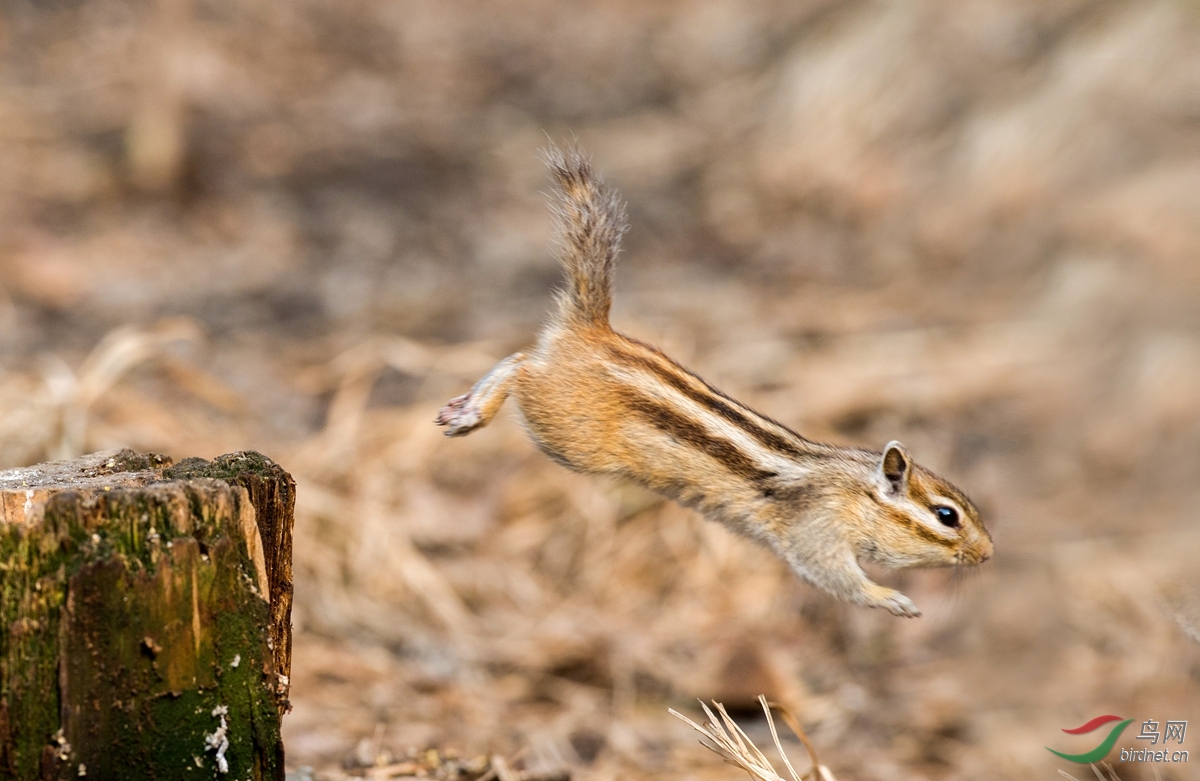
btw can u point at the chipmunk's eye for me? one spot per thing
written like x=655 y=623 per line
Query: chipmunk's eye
x=948 y=516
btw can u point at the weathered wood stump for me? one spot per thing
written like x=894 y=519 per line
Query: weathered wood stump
x=145 y=617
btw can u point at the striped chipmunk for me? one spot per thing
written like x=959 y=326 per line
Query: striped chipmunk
x=599 y=402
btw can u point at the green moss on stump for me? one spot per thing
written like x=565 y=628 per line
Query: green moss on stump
x=137 y=619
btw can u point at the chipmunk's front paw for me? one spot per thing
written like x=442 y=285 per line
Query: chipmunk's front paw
x=460 y=416
x=890 y=599
x=899 y=605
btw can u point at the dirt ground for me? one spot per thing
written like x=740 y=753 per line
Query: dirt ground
x=971 y=226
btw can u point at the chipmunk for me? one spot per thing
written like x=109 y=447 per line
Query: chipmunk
x=599 y=402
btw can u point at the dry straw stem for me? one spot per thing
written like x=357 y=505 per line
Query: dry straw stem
x=1111 y=774
x=733 y=745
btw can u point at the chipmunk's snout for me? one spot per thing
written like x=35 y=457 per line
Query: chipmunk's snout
x=979 y=550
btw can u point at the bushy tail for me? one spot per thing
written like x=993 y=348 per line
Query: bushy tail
x=591 y=220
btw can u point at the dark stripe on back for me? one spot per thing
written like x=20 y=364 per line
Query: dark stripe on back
x=686 y=430
x=715 y=401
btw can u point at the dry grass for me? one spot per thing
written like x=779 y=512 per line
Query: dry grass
x=730 y=742
x=1107 y=775
x=970 y=226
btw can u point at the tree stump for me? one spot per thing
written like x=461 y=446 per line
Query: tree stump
x=145 y=617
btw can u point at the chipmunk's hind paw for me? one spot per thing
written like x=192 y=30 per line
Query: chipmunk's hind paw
x=463 y=414
x=460 y=416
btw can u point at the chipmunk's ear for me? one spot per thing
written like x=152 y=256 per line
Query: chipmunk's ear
x=895 y=467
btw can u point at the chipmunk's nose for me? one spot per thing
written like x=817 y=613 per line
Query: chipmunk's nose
x=984 y=550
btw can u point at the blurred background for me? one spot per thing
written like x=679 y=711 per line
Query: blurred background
x=973 y=226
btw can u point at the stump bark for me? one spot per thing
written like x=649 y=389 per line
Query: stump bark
x=145 y=617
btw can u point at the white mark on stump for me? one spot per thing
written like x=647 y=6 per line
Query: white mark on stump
x=28 y=503
x=64 y=748
x=219 y=740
